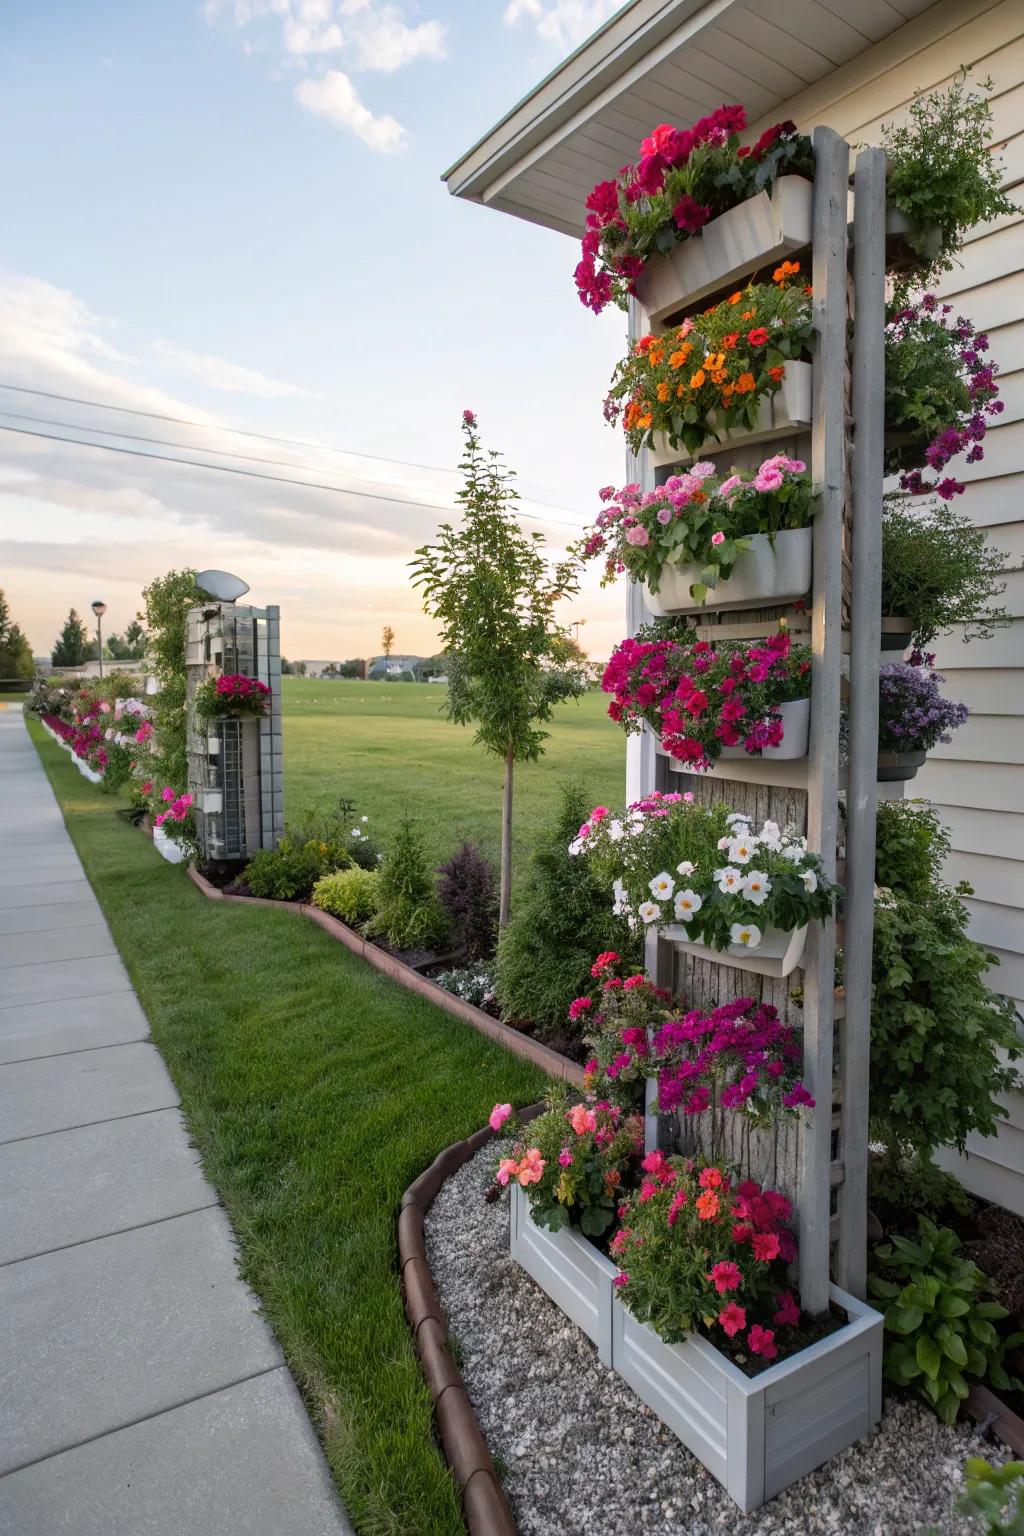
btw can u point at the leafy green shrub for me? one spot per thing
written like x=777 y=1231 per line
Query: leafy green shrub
x=349 y=894
x=905 y=1185
x=407 y=914
x=940 y=1323
x=938 y=570
x=562 y=919
x=911 y=845
x=469 y=899
x=290 y=871
x=936 y=1027
x=942 y=171
x=993 y=1492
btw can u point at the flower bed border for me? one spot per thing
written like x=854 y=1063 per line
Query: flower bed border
x=550 y=1061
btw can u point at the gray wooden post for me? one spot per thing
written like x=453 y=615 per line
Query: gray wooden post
x=828 y=472
x=865 y=640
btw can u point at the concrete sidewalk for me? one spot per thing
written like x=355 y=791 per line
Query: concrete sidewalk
x=141 y=1394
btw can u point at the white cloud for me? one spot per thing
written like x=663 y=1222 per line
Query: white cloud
x=563 y=24
x=384 y=41
x=335 y=97
x=218 y=373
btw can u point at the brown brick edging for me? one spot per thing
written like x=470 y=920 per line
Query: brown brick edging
x=550 y=1061
x=484 y=1505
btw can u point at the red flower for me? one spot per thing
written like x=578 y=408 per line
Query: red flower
x=762 y=1342
x=758 y=336
x=732 y=1318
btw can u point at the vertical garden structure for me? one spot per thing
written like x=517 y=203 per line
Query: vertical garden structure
x=234 y=761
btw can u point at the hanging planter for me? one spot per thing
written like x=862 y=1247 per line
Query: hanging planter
x=897 y=633
x=756 y=1435
x=775 y=569
x=894 y=767
x=796 y=720
x=211 y=801
x=781 y=415
x=908 y=243
x=777 y=951
x=756 y=233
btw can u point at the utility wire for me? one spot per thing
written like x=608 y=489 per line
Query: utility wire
x=255 y=474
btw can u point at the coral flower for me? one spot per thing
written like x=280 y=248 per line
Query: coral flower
x=707 y=1205
x=745 y=383
x=710 y=1178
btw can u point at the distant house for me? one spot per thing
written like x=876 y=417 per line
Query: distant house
x=354 y=668
x=395 y=669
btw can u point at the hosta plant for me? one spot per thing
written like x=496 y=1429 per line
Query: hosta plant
x=700 y=697
x=711 y=374
x=669 y=860
x=939 y=1318
x=683 y=178
x=697 y=518
x=572 y=1161
x=698 y=1252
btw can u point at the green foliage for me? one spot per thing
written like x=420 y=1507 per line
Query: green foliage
x=72 y=644
x=995 y=1496
x=937 y=1030
x=321 y=843
x=167 y=601
x=938 y=1318
x=131 y=646
x=942 y=170
x=562 y=919
x=911 y=845
x=407 y=914
x=349 y=894
x=15 y=652
x=938 y=570
x=905 y=1185
x=473 y=983
x=925 y=384
x=584 y=1194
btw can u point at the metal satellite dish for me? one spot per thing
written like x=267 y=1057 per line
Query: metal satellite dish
x=222 y=585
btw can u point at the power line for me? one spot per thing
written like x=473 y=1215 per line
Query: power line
x=255 y=474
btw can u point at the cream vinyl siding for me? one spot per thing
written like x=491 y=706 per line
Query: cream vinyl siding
x=977 y=782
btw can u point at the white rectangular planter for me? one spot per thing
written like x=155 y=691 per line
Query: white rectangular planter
x=574 y=1273
x=167 y=848
x=756 y=1435
x=754 y=234
x=211 y=800
x=796 y=721
x=786 y=412
x=773 y=570
x=779 y=952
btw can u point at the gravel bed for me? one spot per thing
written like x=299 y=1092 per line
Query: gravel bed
x=580 y=1455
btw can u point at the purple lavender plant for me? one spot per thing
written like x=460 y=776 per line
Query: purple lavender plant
x=912 y=714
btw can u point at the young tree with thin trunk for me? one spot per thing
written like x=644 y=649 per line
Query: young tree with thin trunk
x=387 y=644
x=492 y=591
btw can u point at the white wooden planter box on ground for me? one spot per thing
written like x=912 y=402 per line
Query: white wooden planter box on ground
x=754 y=234
x=756 y=1435
x=775 y=569
x=574 y=1273
x=783 y=414
x=779 y=952
x=167 y=848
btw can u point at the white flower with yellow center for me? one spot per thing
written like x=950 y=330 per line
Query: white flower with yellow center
x=742 y=848
x=662 y=886
x=730 y=881
x=687 y=904
x=745 y=935
x=649 y=912
x=756 y=886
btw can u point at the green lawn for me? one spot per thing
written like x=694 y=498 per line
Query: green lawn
x=315 y=1091
x=388 y=747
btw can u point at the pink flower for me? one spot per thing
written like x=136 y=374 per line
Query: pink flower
x=732 y=1318
x=499 y=1114
x=506 y=1169
x=167 y=793
x=678 y=1201
x=637 y=536
x=788 y=1314
x=582 y=1119
x=565 y=1158
x=765 y=1246
x=531 y=1169
x=726 y=1276
x=469 y=418
x=620 y=1281
x=578 y=1006
x=710 y=1178
x=718 y=538
x=762 y=1342
x=158 y=821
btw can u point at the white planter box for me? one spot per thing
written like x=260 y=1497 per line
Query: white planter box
x=754 y=234
x=783 y=414
x=211 y=800
x=167 y=848
x=779 y=952
x=576 y=1276
x=772 y=570
x=796 y=727
x=756 y=1435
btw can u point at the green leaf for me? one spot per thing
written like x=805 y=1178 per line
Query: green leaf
x=901 y=1319
x=952 y=1345
x=951 y=1305
x=929 y=1356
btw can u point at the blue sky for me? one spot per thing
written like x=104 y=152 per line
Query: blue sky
x=232 y=213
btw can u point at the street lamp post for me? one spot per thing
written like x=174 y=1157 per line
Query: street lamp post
x=99 y=609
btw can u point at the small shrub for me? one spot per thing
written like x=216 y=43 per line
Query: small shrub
x=562 y=919
x=407 y=914
x=938 y=570
x=290 y=871
x=938 y=1318
x=468 y=896
x=472 y=983
x=911 y=845
x=905 y=1185
x=349 y=894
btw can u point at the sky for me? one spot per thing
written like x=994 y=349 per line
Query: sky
x=231 y=213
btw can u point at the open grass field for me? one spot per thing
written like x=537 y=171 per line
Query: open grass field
x=388 y=747
x=315 y=1091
